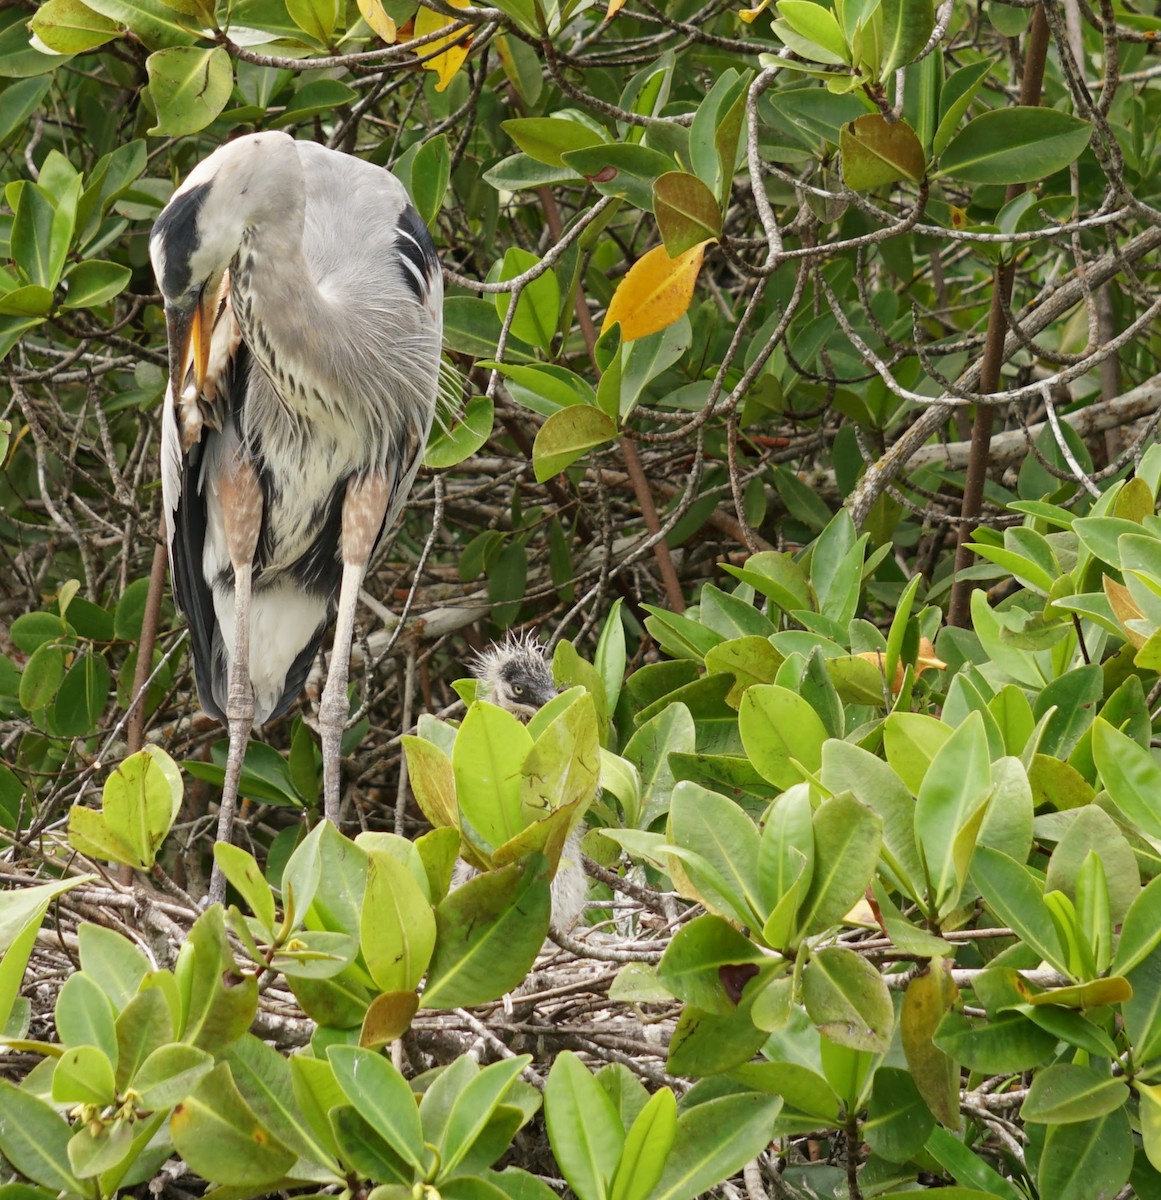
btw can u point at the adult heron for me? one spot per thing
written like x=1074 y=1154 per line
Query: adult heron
x=303 y=301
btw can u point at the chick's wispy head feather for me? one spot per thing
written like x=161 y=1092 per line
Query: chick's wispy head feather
x=515 y=675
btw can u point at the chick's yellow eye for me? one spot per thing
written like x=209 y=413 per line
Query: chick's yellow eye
x=517 y=690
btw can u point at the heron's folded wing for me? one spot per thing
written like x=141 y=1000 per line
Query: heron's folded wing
x=186 y=428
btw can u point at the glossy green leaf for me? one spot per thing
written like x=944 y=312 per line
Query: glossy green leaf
x=583 y=1128
x=488 y=934
x=1014 y=145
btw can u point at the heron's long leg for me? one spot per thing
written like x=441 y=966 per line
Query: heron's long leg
x=241 y=497
x=364 y=507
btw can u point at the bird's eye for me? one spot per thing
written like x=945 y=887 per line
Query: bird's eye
x=517 y=690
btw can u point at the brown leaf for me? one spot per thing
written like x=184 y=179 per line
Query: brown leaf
x=686 y=211
x=875 y=152
x=936 y=1074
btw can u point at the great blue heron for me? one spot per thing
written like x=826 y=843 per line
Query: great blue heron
x=303 y=300
x=516 y=675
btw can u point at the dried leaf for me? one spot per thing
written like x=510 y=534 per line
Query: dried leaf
x=925 y=660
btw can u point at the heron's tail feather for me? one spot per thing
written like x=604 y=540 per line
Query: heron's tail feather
x=286 y=630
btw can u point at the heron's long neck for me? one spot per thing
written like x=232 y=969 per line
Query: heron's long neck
x=286 y=321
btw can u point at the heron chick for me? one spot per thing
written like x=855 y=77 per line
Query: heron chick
x=515 y=675
x=303 y=303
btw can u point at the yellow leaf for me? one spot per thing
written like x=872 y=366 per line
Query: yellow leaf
x=656 y=292
x=615 y=7
x=446 y=64
x=381 y=24
x=750 y=15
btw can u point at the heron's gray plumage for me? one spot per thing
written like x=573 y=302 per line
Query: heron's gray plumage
x=322 y=369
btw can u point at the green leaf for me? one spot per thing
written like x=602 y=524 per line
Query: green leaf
x=686 y=210
x=1132 y=776
x=621 y=169
x=190 y=87
x=474 y=1108
x=221 y=1001
x=1017 y=898
x=32 y=242
x=779 y=728
x=998 y=1046
x=538 y=306
x=847 y=840
x=84 y=1075
x=949 y=809
x=583 y=1127
x=956 y=95
x=1015 y=145
x=819 y=37
x=647 y=1146
x=143 y=1026
x=382 y=1097
x=84 y=1016
x=92 y=283
x=219 y=1136
x=316 y=18
x=725 y=840
x=714 y=1140
x=690 y=967
x=154 y=22
x=34 y=1140
x=42 y=677
x=847 y=1000
x=430 y=171
x=112 y=961
x=907 y=24
x=1085 y=1159
x=397 y=933
x=472 y=428
x=1140 y=930
x=1067 y=1092
x=568 y=434
x=912 y=742
x=547 y=138
x=30 y=301
x=898 y=1119
x=488 y=935
x=490 y=749
x=141 y=800
x=20 y=918
x=962 y=1164
x=244 y=874
x=363 y=1150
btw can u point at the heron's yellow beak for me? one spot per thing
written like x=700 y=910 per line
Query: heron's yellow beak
x=189 y=346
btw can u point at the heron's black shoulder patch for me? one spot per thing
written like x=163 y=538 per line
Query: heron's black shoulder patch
x=176 y=229
x=420 y=261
